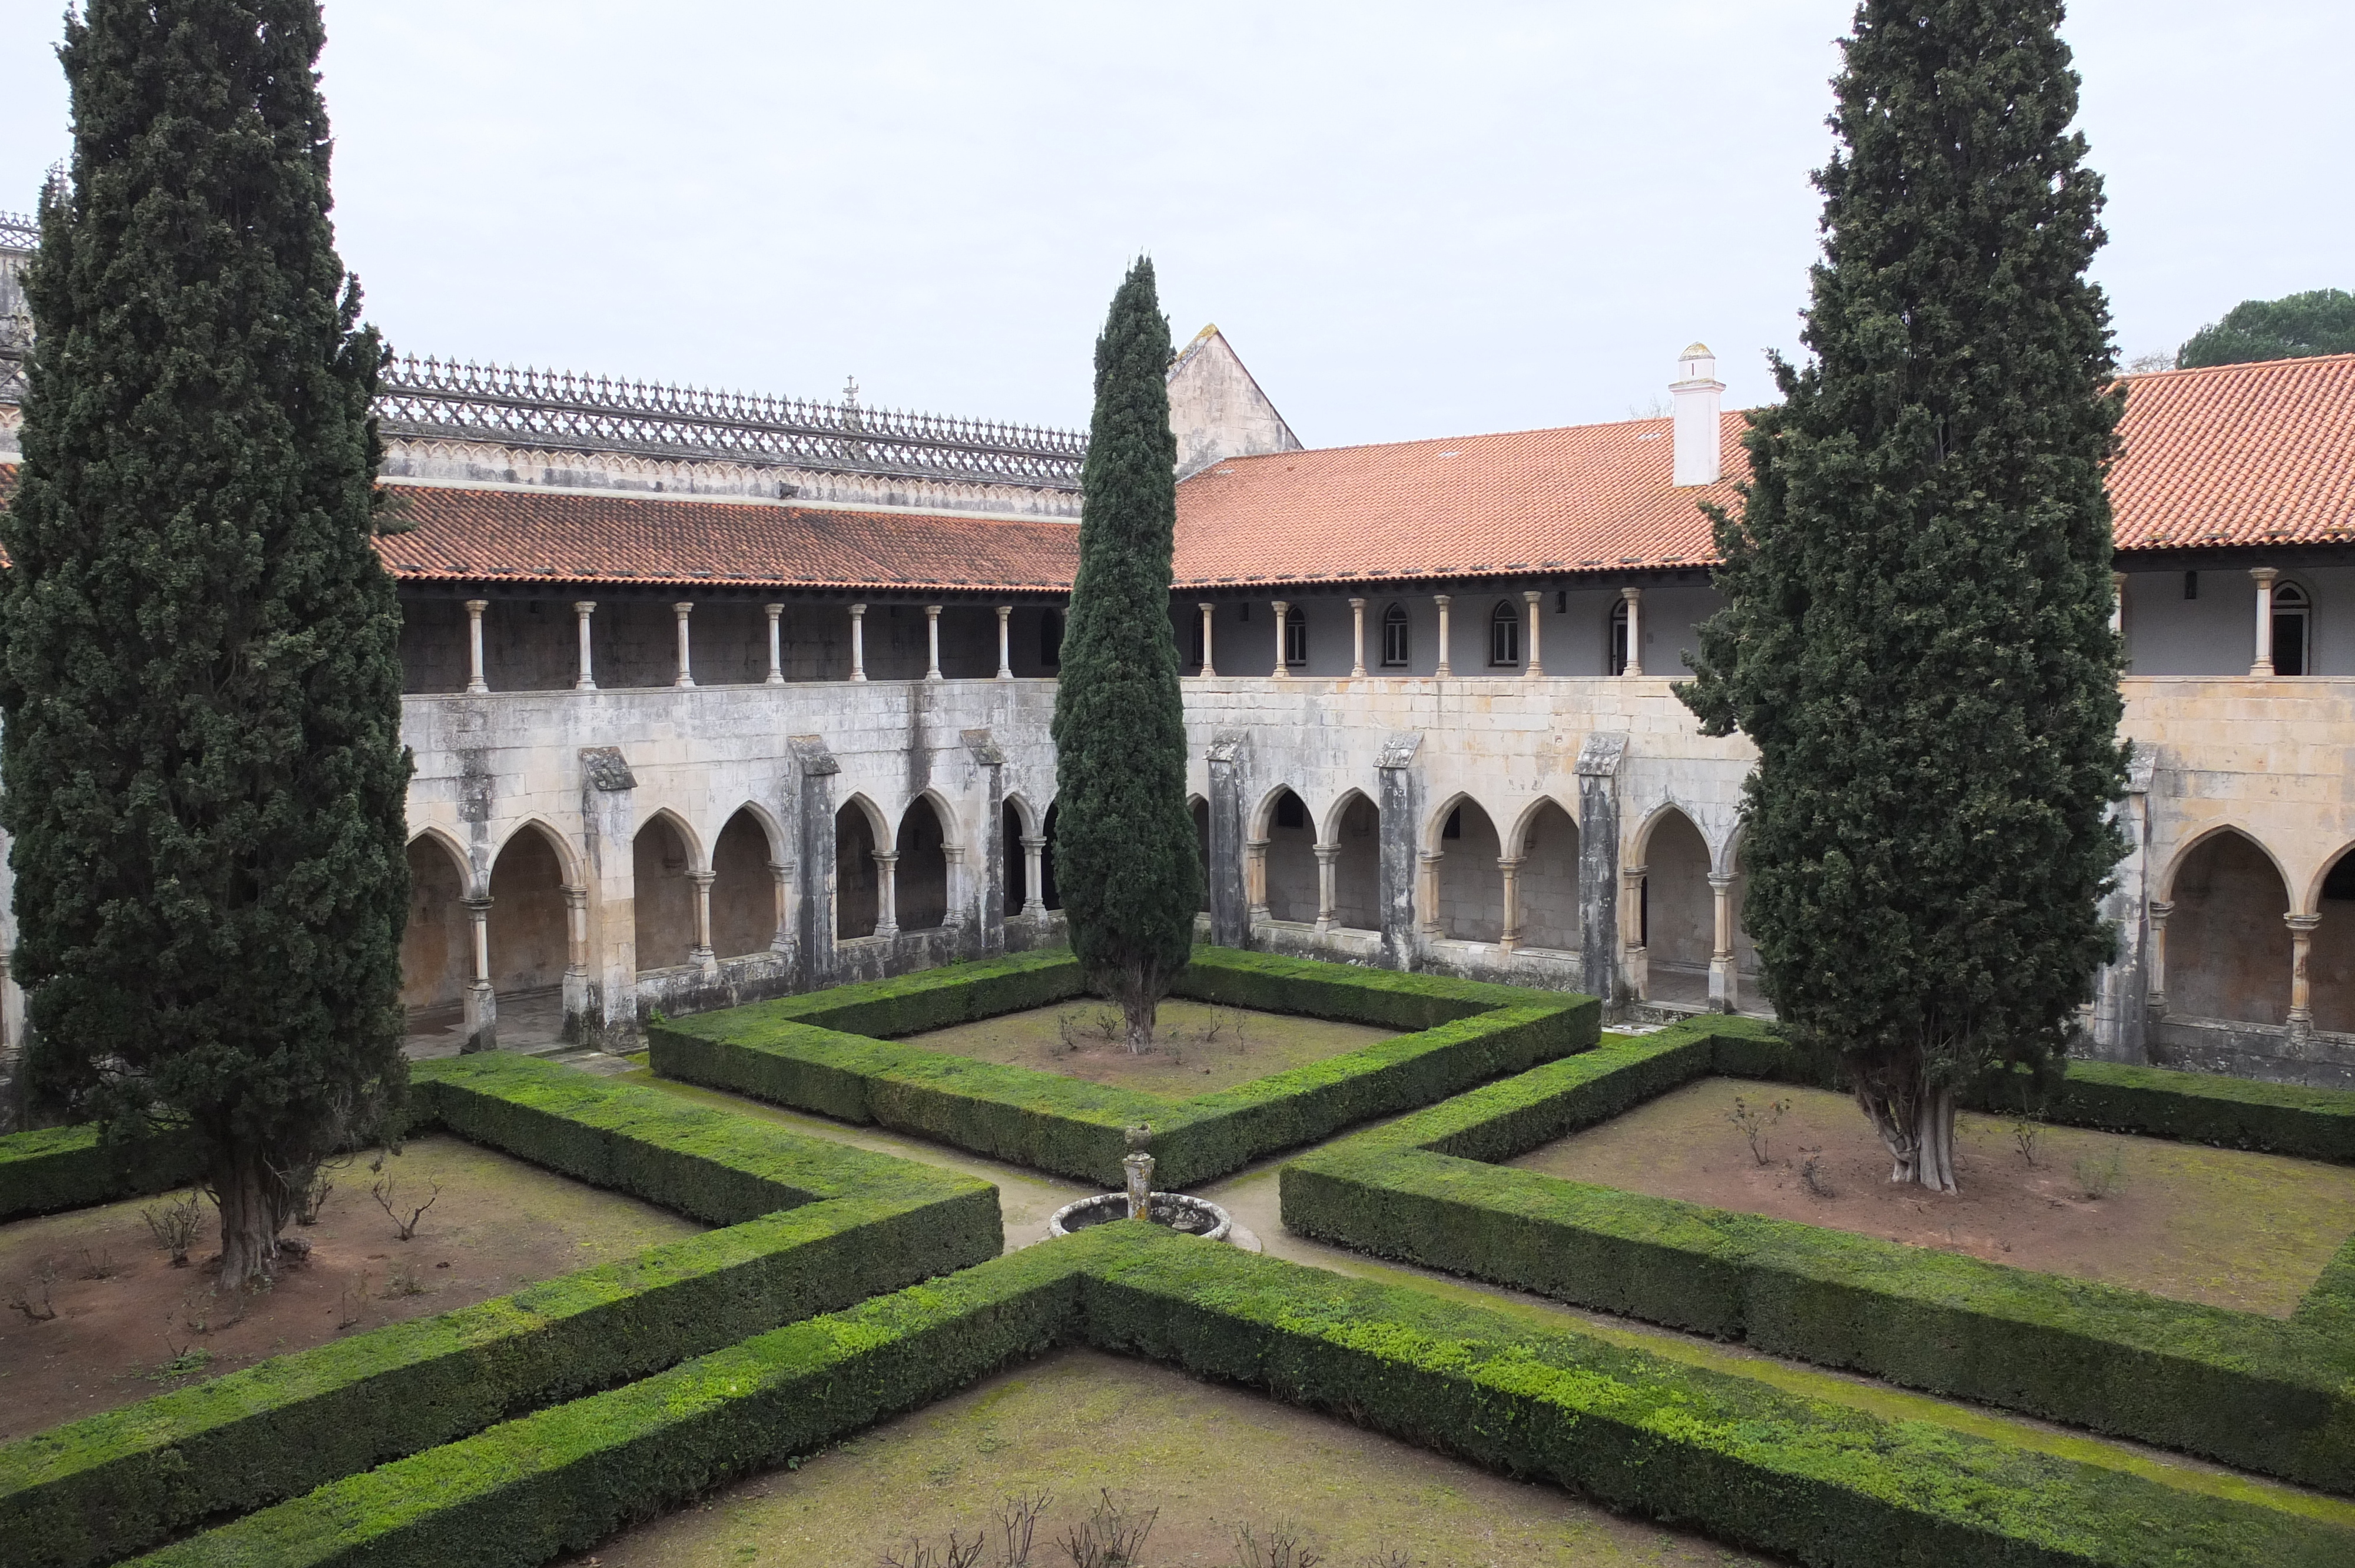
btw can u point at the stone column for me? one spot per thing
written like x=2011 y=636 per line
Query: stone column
x=953 y=857
x=1255 y=879
x=576 y=933
x=2301 y=943
x=474 y=607
x=1398 y=842
x=2118 y=603
x=1230 y=895
x=1445 y=669
x=1634 y=959
x=1536 y=666
x=1357 y=638
x=1034 y=885
x=686 y=676
x=1005 y=643
x=1327 y=854
x=1509 y=936
x=1599 y=953
x=777 y=645
x=701 y=955
x=1724 y=983
x=887 y=892
x=782 y=874
x=581 y=610
x=1208 y=667
x=1634 y=598
x=2263 y=576
x=1283 y=625
x=2160 y=909
x=859 y=643
x=482 y=1005
x=1427 y=897
x=931 y=642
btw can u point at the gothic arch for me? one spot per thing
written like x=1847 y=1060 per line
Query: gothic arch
x=1024 y=812
x=565 y=859
x=1435 y=827
x=1263 y=815
x=1677 y=908
x=1469 y=883
x=454 y=849
x=779 y=845
x=1515 y=838
x=942 y=809
x=2228 y=950
x=697 y=857
x=878 y=824
x=529 y=934
x=1288 y=871
x=2184 y=852
x=437 y=946
x=1329 y=834
x=1640 y=846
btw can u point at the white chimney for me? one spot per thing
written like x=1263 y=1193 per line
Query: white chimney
x=1697 y=390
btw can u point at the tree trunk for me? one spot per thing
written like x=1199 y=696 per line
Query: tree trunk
x=1917 y=1128
x=1140 y=1005
x=249 y=1219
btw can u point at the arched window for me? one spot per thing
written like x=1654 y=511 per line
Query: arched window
x=1296 y=635
x=1394 y=637
x=1619 y=636
x=1504 y=633
x=2293 y=628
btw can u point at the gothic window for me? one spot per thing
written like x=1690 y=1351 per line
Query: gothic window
x=2292 y=629
x=1296 y=635
x=1504 y=634
x=1619 y=636
x=1394 y=637
x=1050 y=638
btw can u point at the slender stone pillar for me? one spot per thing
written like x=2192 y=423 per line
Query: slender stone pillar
x=1255 y=878
x=1428 y=895
x=1357 y=639
x=1005 y=643
x=781 y=873
x=1282 y=626
x=474 y=607
x=1208 y=667
x=482 y=1023
x=1229 y=895
x=887 y=892
x=2263 y=576
x=2301 y=946
x=859 y=643
x=1034 y=881
x=1397 y=840
x=1509 y=937
x=952 y=855
x=819 y=874
x=587 y=680
x=1725 y=984
x=2160 y=909
x=1634 y=960
x=1598 y=865
x=1634 y=598
x=576 y=933
x=931 y=642
x=776 y=644
x=701 y=954
x=686 y=676
x=1445 y=669
x=1327 y=854
x=1536 y=666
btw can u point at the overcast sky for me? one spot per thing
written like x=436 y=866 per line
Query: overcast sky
x=1409 y=220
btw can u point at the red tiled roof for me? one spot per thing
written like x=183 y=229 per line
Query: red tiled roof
x=1588 y=497
x=2242 y=454
x=590 y=536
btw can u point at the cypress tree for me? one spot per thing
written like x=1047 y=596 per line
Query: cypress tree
x=199 y=647
x=1916 y=634
x=1125 y=851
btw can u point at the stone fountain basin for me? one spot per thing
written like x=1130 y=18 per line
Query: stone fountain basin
x=1190 y=1216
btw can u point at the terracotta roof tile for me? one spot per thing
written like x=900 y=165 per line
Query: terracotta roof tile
x=1585 y=498
x=589 y=536
x=2242 y=454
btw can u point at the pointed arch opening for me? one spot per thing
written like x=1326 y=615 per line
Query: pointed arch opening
x=662 y=893
x=1471 y=885
x=1548 y=880
x=2228 y=950
x=858 y=881
x=1678 y=910
x=1356 y=826
x=744 y=899
x=1049 y=895
x=2331 y=964
x=1291 y=859
x=436 y=957
x=921 y=879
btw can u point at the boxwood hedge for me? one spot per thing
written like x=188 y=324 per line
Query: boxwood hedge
x=811 y=1226
x=56 y=1167
x=1752 y=1465
x=2269 y=1395
x=823 y=1052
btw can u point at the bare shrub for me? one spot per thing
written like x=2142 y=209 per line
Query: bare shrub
x=353 y=1303
x=404 y=1281
x=1811 y=1176
x=387 y=1192
x=1017 y=1521
x=174 y=1225
x=2023 y=1137
x=1282 y=1549
x=34 y=1297
x=2100 y=1176
x=1113 y=1536
x=97 y=1264
x=1754 y=1122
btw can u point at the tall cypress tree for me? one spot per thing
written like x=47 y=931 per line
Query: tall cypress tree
x=1125 y=851
x=199 y=647
x=1917 y=633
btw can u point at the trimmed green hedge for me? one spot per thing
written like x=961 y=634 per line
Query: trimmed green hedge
x=58 y=1167
x=1749 y=1463
x=812 y=1226
x=2268 y=1395
x=798 y=1052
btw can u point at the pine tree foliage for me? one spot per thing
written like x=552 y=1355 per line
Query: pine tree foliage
x=198 y=646
x=2297 y=326
x=1916 y=634
x=1126 y=857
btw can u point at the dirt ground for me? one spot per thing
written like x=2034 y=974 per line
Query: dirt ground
x=497 y=1226
x=2228 y=1228
x=1212 y=1459
x=1198 y=1048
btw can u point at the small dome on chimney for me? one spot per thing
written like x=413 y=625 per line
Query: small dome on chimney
x=1696 y=351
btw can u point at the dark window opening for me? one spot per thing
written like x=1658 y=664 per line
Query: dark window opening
x=2191 y=585
x=2291 y=627
x=1619 y=638
x=1504 y=634
x=1454 y=828
x=1561 y=602
x=1394 y=636
x=1290 y=812
x=1296 y=635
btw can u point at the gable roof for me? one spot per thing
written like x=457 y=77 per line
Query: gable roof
x=2238 y=454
